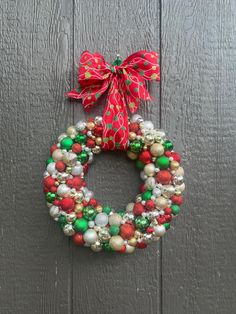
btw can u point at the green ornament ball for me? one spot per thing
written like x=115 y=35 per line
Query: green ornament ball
x=114 y=230
x=82 y=157
x=66 y=143
x=62 y=221
x=167 y=225
x=49 y=160
x=121 y=212
x=89 y=213
x=81 y=139
x=106 y=209
x=168 y=145
x=81 y=225
x=106 y=247
x=175 y=209
x=162 y=162
x=136 y=146
x=147 y=195
x=50 y=197
x=139 y=164
x=141 y=223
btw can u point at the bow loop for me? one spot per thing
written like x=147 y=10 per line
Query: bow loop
x=125 y=82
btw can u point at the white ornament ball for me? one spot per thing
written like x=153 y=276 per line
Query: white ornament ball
x=161 y=202
x=68 y=230
x=129 y=249
x=150 y=183
x=115 y=219
x=96 y=247
x=136 y=118
x=101 y=220
x=147 y=125
x=54 y=211
x=77 y=170
x=51 y=169
x=70 y=159
x=143 y=176
x=149 y=170
x=159 y=230
x=60 y=137
x=156 y=192
x=80 y=126
x=116 y=242
x=63 y=190
x=90 y=236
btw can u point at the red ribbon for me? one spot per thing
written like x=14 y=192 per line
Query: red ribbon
x=125 y=82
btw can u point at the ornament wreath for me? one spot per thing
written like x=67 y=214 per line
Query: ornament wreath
x=81 y=216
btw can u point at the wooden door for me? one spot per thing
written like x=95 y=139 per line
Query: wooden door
x=192 y=269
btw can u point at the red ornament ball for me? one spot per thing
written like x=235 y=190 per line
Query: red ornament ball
x=138 y=209
x=78 y=239
x=126 y=231
x=133 y=127
x=53 y=147
x=150 y=205
x=168 y=210
x=163 y=177
x=49 y=182
x=60 y=166
x=141 y=245
x=91 y=143
x=67 y=204
x=145 y=157
x=177 y=199
x=76 y=148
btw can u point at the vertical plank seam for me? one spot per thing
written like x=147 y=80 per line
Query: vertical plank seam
x=160 y=124
x=72 y=85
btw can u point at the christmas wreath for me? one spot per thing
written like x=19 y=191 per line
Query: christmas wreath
x=71 y=203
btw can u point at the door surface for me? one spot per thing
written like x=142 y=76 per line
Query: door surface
x=192 y=269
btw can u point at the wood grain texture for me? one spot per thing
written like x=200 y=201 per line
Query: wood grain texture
x=193 y=269
x=110 y=283
x=35 y=63
x=198 y=110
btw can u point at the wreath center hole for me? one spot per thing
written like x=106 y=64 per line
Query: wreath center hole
x=114 y=179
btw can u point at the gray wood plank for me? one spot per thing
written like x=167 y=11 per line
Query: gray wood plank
x=35 y=45
x=104 y=283
x=198 y=41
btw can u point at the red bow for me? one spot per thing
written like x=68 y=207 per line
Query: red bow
x=125 y=82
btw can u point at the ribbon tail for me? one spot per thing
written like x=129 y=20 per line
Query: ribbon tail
x=115 y=120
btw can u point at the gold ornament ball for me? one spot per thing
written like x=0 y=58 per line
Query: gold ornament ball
x=174 y=165
x=115 y=219
x=71 y=131
x=78 y=208
x=132 y=241
x=149 y=170
x=116 y=242
x=137 y=234
x=96 y=247
x=179 y=172
x=161 y=202
x=157 y=149
x=57 y=154
x=90 y=125
x=98 y=141
x=132 y=136
x=132 y=155
x=99 y=208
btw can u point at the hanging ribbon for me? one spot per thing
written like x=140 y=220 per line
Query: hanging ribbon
x=125 y=83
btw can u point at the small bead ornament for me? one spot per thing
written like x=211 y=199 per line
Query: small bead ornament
x=81 y=216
